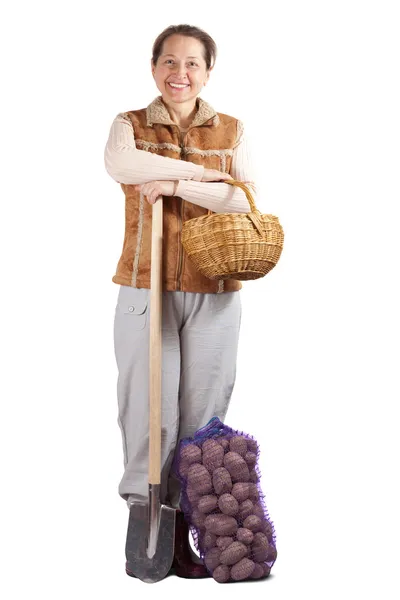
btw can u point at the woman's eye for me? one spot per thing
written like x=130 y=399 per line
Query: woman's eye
x=169 y=60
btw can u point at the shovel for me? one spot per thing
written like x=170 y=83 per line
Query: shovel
x=151 y=528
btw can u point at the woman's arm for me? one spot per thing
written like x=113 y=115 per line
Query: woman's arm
x=221 y=197
x=126 y=164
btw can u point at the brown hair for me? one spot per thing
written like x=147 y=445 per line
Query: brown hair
x=210 y=47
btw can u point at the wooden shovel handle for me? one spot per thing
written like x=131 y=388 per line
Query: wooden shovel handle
x=155 y=344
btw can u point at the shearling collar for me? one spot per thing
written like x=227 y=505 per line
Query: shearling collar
x=157 y=113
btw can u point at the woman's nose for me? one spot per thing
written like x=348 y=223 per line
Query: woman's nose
x=181 y=70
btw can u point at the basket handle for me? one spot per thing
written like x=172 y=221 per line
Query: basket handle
x=254 y=214
x=246 y=190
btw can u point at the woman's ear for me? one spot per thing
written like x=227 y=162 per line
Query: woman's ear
x=208 y=75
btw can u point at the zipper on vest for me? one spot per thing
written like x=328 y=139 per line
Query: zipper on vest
x=180 y=249
x=182 y=147
x=179 y=283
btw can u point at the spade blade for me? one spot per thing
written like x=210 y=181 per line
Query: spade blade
x=150 y=542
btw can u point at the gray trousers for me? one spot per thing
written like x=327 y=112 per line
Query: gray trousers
x=200 y=335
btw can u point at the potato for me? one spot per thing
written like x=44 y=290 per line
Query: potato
x=213 y=455
x=254 y=476
x=235 y=552
x=267 y=529
x=240 y=491
x=258 y=572
x=191 y=453
x=245 y=509
x=183 y=468
x=244 y=535
x=222 y=574
x=242 y=570
x=209 y=445
x=208 y=540
x=223 y=541
x=206 y=443
x=272 y=553
x=261 y=539
x=252 y=445
x=253 y=523
x=251 y=459
x=192 y=496
x=222 y=481
x=237 y=467
x=238 y=443
x=225 y=444
x=199 y=479
x=228 y=504
x=254 y=494
x=267 y=569
x=198 y=518
x=212 y=558
x=208 y=503
x=260 y=547
x=259 y=511
x=221 y=524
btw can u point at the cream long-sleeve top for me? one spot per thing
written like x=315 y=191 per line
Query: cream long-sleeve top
x=127 y=164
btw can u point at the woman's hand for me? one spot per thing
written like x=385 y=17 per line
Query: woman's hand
x=154 y=189
x=214 y=175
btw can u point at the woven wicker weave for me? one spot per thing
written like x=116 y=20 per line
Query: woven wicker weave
x=234 y=245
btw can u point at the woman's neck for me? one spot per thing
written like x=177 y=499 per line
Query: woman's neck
x=182 y=114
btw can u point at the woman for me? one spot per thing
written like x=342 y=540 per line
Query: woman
x=178 y=147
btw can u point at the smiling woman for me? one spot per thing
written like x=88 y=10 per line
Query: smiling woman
x=183 y=58
x=181 y=66
x=179 y=147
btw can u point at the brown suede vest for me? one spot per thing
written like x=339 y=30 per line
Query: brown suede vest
x=209 y=141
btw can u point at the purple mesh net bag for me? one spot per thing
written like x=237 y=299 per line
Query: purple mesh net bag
x=223 y=503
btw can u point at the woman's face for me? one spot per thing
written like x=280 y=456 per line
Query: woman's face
x=181 y=61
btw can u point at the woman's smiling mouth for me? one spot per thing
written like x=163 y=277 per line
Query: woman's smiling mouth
x=178 y=86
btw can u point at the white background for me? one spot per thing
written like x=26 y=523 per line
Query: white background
x=316 y=84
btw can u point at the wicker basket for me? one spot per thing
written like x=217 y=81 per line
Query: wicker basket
x=234 y=245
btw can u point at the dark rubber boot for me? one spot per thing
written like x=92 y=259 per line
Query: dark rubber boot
x=184 y=558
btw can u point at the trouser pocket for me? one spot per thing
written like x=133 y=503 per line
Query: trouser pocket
x=133 y=305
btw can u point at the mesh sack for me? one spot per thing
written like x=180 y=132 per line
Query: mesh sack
x=223 y=502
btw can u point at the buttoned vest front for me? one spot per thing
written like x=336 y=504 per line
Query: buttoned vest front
x=209 y=141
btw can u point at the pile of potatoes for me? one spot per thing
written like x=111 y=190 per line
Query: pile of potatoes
x=222 y=502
